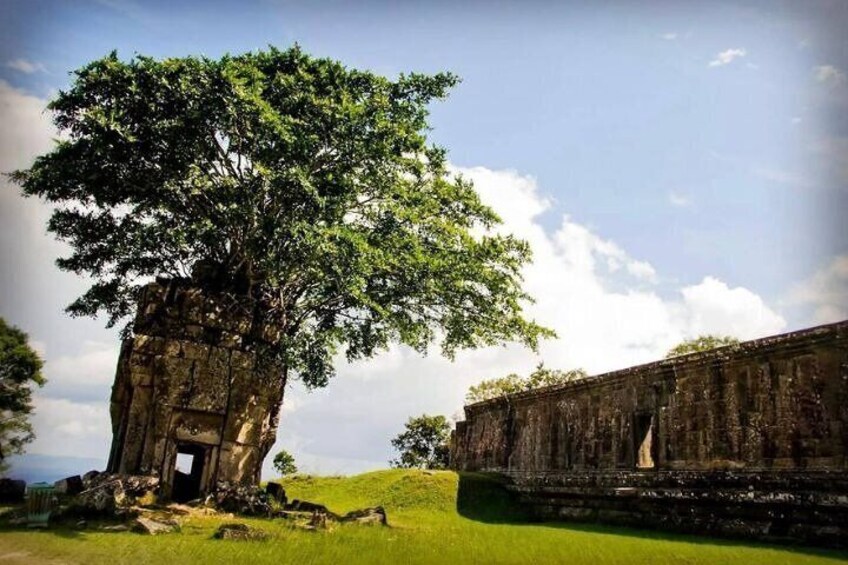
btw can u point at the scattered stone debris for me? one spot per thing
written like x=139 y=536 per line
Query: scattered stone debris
x=240 y=532
x=114 y=528
x=107 y=498
x=114 y=495
x=17 y=521
x=276 y=492
x=246 y=500
x=12 y=491
x=89 y=478
x=318 y=521
x=306 y=506
x=190 y=510
x=149 y=526
x=313 y=516
x=139 y=486
x=374 y=515
x=69 y=486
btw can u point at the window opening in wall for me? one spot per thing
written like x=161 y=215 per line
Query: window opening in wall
x=184 y=462
x=643 y=440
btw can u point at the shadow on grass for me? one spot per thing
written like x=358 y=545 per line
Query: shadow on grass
x=483 y=498
x=12 y=520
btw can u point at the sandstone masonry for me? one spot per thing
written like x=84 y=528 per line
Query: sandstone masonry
x=748 y=440
x=194 y=388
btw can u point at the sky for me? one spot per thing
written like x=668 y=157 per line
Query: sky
x=678 y=168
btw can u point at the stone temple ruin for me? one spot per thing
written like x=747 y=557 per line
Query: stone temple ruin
x=748 y=440
x=193 y=391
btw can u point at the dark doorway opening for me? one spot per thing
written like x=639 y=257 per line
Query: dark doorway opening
x=188 y=472
x=643 y=440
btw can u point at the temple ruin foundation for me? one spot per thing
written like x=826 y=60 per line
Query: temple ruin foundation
x=747 y=441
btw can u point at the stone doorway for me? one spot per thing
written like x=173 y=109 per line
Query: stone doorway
x=188 y=472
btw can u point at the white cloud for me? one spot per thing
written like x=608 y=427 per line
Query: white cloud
x=671 y=36
x=86 y=375
x=712 y=307
x=826 y=291
x=726 y=57
x=679 y=200
x=27 y=130
x=65 y=428
x=33 y=291
x=26 y=66
x=796 y=120
x=830 y=75
x=642 y=270
x=607 y=318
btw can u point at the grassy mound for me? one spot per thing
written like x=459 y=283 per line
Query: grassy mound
x=434 y=517
x=410 y=494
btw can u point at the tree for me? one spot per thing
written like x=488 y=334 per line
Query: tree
x=424 y=444
x=700 y=343
x=284 y=463
x=298 y=182
x=20 y=368
x=512 y=383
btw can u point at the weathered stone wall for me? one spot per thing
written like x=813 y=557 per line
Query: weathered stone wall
x=728 y=436
x=193 y=379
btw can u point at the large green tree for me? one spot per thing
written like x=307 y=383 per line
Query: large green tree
x=424 y=444
x=20 y=369
x=306 y=185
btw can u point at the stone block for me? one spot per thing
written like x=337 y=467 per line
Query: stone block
x=151 y=527
x=242 y=360
x=148 y=345
x=69 y=485
x=12 y=491
x=276 y=492
x=173 y=348
x=195 y=351
x=240 y=532
x=230 y=340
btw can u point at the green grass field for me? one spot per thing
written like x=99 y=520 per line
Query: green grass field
x=433 y=519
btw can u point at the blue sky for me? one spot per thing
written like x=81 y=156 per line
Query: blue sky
x=707 y=141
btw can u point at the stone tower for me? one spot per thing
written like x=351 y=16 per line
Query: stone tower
x=193 y=386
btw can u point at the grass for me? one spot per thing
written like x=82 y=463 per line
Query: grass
x=433 y=517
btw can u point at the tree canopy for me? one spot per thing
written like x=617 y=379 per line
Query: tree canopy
x=700 y=343
x=424 y=444
x=512 y=383
x=20 y=369
x=284 y=463
x=306 y=185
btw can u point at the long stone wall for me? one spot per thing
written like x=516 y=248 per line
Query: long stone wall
x=744 y=440
x=193 y=381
